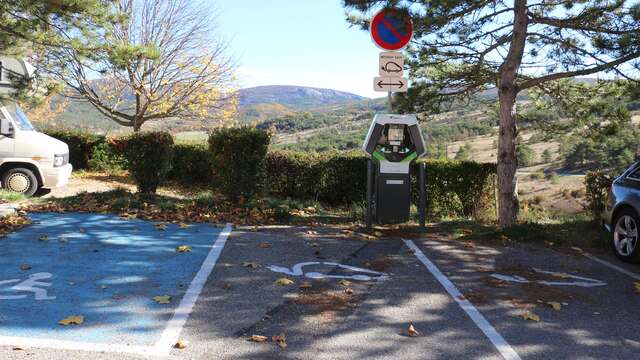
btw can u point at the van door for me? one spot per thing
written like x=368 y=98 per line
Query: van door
x=7 y=143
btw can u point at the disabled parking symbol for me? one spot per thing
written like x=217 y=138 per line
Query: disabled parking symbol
x=32 y=284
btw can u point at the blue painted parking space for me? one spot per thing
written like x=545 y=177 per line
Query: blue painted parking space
x=103 y=268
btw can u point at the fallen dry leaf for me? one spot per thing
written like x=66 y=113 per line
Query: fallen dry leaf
x=560 y=275
x=345 y=283
x=264 y=245
x=183 y=248
x=305 y=285
x=226 y=286
x=348 y=291
x=181 y=344
x=258 y=338
x=411 y=331
x=469 y=244
x=284 y=282
x=183 y=225
x=25 y=267
x=161 y=227
x=280 y=340
x=250 y=264
x=164 y=299
x=555 y=305
x=528 y=315
x=72 y=320
x=44 y=238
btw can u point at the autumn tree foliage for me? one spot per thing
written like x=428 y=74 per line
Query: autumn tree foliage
x=462 y=47
x=159 y=60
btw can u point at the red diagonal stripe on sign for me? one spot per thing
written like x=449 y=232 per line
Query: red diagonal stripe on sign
x=392 y=29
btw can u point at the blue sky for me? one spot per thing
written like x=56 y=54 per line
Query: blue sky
x=298 y=42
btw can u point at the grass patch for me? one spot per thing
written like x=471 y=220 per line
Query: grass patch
x=566 y=231
x=9 y=196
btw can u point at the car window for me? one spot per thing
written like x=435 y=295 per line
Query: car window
x=635 y=174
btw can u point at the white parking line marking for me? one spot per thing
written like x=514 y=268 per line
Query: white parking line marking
x=174 y=327
x=613 y=266
x=481 y=322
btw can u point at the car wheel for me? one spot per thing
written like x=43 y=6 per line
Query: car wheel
x=625 y=236
x=20 y=180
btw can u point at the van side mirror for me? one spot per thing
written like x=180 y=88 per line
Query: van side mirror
x=5 y=128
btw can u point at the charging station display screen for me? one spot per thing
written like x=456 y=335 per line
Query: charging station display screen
x=396 y=135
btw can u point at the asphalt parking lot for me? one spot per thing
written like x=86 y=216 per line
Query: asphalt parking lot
x=330 y=293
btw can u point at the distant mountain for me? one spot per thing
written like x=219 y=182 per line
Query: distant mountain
x=294 y=96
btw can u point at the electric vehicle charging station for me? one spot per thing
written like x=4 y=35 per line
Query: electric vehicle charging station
x=394 y=142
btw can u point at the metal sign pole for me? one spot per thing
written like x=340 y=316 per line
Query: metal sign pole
x=390 y=97
x=369 y=194
x=423 y=196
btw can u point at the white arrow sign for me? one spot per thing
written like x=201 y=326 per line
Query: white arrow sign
x=391 y=64
x=390 y=84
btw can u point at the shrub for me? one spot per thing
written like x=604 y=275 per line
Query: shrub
x=149 y=156
x=81 y=145
x=192 y=165
x=553 y=177
x=459 y=189
x=238 y=156
x=525 y=154
x=105 y=158
x=537 y=175
x=597 y=186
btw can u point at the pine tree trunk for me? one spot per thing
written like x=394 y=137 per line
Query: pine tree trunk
x=507 y=90
x=507 y=162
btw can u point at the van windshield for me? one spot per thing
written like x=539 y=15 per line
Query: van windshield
x=21 y=120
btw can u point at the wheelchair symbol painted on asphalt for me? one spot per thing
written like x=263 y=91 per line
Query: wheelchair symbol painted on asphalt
x=296 y=270
x=32 y=284
x=568 y=279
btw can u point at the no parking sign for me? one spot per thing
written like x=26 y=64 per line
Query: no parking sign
x=391 y=29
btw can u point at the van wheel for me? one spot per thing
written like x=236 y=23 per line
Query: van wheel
x=625 y=236
x=20 y=180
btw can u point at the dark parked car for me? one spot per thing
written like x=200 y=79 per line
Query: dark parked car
x=621 y=214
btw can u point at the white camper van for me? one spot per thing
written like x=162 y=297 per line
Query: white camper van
x=29 y=160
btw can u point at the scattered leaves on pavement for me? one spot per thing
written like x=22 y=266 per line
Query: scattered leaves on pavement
x=250 y=264
x=11 y=223
x=281 y=340
x=72 y=320
x=284 y=282
x=183 y=248
x=181 y=344
x=164 y=299
x=528 y=315
x=345 y=283
x=258 y=338
x=183 y=225
x=411 y=331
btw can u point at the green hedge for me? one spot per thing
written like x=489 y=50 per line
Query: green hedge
x=238 y=156
x=333 y=177
x=149 y=157
x=81 y=145
x=454 y=189
x=192 y=165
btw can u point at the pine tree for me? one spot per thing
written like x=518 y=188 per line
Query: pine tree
x=462 y=47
